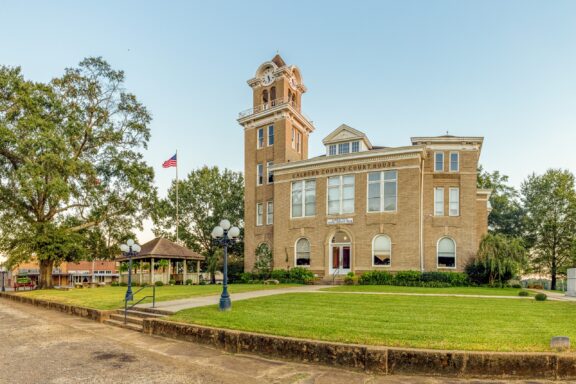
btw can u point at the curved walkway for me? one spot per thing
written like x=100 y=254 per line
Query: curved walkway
x=178 y=305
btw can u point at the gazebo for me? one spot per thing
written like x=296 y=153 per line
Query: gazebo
x=180 y=266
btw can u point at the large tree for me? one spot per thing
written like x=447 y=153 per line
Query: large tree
x=206 y=196
x=550 y=203
x=72 y=179
x=507 y=215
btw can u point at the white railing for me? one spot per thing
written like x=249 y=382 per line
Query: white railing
x=272 y=104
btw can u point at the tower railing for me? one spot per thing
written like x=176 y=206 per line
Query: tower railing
x=272 y=104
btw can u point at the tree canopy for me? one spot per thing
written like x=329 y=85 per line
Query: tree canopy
x=72 y=178
x=206 y=196
x=550 y=203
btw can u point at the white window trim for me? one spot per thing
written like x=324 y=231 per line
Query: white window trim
x=296 y=252
x=341 y=187
x=457 y=163
x=258 y=146
x=259 y=205
x=303 y=199
x=372 y=255
x=268 y=204
x=258 y=166
x=268 y=135
x=443 y=202
x=450 y=202
x=443 y=161
x=455 y=253
x=268 y=164
x=382 y=193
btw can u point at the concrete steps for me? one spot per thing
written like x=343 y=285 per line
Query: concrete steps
x=134 y=318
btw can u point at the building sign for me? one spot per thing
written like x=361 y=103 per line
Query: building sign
x=348 y=168
x=347 y=220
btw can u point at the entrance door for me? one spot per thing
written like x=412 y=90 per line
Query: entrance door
x=340 y=254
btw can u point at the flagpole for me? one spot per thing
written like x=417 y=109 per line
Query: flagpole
x=177 y=197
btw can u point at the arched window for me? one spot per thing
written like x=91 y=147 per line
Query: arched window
x=446 y=253
x=381 y=251
x=265 y=96
x=273 y=95
x=302 y=252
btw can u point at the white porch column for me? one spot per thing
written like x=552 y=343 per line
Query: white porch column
x=152 y=271
x=184 y=271
x=198 y=270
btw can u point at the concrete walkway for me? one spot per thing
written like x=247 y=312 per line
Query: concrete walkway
x=202 y=301
x=556 y=296
x=174 y=306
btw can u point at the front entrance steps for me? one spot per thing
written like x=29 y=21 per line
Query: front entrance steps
x=134 y=318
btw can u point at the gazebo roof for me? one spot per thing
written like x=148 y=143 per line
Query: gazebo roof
x=161 y=248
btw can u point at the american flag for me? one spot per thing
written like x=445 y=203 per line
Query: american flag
x=171 y=162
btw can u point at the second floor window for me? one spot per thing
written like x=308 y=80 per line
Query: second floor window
x=355 y=146
x=304 y=198
x=270 y=135
x=454 y=202
x=259 y=214
x=438 y=201
x=260 y=139
x=439 y=162
x=270 y=174
x=332 y=150
x=454 y=162
x=259 y=174
x=341 y=195
x=382 y=191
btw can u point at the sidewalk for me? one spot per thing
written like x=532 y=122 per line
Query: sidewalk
x=555 y=296
x=202 y=301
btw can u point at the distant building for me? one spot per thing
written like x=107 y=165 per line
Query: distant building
x=358 y=207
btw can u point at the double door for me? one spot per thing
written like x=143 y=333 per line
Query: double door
x=340 y=259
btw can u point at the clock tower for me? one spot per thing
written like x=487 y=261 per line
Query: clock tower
x=275 y=132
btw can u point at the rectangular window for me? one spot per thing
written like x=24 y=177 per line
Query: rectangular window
x=259 y=214
x=270 y=135
x=303 y=198
x=259 y=174
x=454 y=162
x=293 y=138
x=269 y=171
x=332 y=150
x=260 y=140
x=454 y=202
x=343 y=148
x=341 y=195
x=355 y=146
x=439 y=162
x=382 y=191
x=270 y=213
x=298 y=142
x=438 y=201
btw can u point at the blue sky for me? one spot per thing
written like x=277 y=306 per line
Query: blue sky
x=505 y=70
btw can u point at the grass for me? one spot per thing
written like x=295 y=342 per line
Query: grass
x=113 y=297
x=458 y=323
x=451 y=290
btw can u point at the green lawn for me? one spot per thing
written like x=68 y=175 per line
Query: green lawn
x=450 y=290
x=113 y=297
x=458 y=323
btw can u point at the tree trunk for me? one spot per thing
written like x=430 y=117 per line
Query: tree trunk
x=45 y=277
x=554 y=269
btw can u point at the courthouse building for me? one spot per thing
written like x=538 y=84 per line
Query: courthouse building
x=357 y=207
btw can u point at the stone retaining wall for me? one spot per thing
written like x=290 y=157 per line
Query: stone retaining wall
x=89 y=313
x=373 y=359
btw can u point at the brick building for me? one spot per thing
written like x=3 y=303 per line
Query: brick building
x=359 y=206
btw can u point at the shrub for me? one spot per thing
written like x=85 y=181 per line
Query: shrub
x=159 y=283
x=540 y=297
x=407 y=278
x=123 y=284
x=516 y=285
x=114 y=284
x=350 y=279
x=172 y=281
x=376 y=278
x=188 y=281
x=523 y=293
x=281 y=275
x=301 y=275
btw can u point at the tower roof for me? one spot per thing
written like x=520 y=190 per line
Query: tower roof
x=278 y=61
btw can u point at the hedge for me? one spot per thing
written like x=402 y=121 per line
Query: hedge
x=415 y=279
x=294 y=275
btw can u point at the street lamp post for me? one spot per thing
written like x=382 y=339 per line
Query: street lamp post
x=225 y=236
x=3 y=271
x=129 y=249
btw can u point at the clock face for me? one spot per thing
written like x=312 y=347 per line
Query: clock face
x=292 y=82
x=268 y=77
